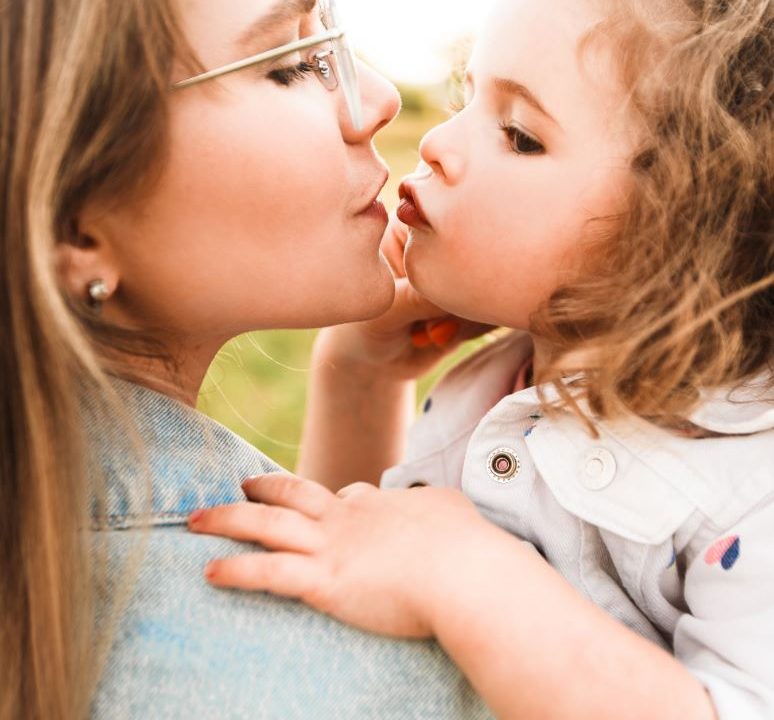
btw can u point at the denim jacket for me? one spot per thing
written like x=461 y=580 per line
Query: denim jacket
x=181 y=648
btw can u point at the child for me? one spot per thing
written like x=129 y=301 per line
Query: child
x=606 y=193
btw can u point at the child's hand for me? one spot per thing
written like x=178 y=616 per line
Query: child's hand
x=407 y=340
x=394 y=245
x=378 y=559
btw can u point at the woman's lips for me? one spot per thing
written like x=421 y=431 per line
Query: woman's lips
x=376 y=211
x=410 y=211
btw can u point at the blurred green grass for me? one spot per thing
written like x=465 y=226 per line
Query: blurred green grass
x=257 y=384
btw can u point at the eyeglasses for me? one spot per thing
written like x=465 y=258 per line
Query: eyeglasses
x=331 y=65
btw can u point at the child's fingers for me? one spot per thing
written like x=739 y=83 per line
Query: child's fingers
x=410 y=305
x=442 y=332
x=289 y=491
x=446 y=332
x=437 y=333
x=470 y=330
x=285 y=574
x=394 y=257
x=357 y=488
x=276 y=528
x=420 y=338
x=393 y=245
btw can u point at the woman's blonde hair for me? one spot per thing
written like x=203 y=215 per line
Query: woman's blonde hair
x=83 y=86
x=681 y=297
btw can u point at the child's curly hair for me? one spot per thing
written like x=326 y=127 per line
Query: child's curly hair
x=682 y=297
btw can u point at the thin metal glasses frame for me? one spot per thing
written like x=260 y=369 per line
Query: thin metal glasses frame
x=345 y=65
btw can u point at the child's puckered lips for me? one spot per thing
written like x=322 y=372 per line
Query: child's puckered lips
x=410 y=210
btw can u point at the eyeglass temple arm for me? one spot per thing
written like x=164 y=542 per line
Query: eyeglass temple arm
x=334 y=34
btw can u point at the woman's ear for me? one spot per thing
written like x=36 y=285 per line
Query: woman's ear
x=85 y=261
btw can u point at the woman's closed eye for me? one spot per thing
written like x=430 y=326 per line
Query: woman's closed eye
x=286 y=76
x=521 y=142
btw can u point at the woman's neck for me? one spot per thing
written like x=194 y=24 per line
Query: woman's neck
x=179 y=374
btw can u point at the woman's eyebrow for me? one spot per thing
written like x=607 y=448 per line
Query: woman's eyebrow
x=511 y=87
x=280 y=13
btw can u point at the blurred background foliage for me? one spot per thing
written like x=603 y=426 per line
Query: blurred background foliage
x=257 y=384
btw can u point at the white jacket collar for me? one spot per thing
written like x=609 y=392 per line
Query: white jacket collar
x=742 y=410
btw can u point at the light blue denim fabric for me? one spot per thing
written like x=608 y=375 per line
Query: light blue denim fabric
x=182 y=649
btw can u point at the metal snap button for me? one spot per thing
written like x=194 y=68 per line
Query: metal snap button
x=503 y=465
x=597 y=469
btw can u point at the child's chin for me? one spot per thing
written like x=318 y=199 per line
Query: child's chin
x=439 y=292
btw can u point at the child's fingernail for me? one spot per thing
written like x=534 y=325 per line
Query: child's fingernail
x=195 y=517
x=420 y=338
x=211 y=570
x=444 y=332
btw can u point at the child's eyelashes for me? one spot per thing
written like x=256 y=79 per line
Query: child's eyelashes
x=520 y=142
x=288 y=75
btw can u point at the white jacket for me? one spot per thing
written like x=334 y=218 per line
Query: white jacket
x=672 y=535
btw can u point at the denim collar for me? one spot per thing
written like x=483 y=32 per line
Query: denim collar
x=184 y=460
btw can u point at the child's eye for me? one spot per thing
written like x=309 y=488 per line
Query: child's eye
x=289 y=75
x=520 y=142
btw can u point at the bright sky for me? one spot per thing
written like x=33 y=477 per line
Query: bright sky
x=410 y=40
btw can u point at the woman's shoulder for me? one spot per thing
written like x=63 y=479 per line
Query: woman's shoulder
x=156 y=460
x=183 y=648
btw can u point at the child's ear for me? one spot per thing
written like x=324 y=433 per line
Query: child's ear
x=83 y=258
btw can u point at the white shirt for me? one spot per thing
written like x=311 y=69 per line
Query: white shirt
x=674 y=536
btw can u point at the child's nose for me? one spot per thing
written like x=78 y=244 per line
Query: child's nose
x=441 y=148
x=381 y=103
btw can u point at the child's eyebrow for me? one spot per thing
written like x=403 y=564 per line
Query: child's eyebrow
x=511 y=87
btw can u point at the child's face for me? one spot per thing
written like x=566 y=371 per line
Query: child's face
x=508 y=212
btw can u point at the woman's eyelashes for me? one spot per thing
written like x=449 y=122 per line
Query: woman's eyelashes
x=520 y=142
x=293 y=73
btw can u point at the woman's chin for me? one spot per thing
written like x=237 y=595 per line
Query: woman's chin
x=377 y=298
x=365 y=300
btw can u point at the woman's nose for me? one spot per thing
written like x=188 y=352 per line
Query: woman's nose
x=381 y=103
x=441 y=148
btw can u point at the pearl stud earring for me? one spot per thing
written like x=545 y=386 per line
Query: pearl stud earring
x=98 y=293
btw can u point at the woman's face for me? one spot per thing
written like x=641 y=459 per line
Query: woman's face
x=264 y=213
